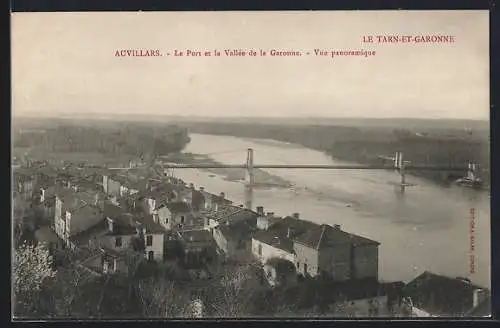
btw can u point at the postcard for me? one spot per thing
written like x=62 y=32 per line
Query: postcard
x=291 y=164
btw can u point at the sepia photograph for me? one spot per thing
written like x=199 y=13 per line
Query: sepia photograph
x=258 y=165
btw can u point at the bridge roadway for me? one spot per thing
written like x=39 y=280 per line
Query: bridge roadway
x=315 y=167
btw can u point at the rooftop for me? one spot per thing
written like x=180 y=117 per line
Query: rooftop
x=284 y=232
x=441 y=295
x=233 y=213
x=324 y=236
x=83 y=238
x=178 y=207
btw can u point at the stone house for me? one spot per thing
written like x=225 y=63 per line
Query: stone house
x=233 y=235
x=317 y=249
x=331 y=251
x=431 y=294
x=173 y=215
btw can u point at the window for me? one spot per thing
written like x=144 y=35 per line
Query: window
x=149 y=240
x=151 y=255
x=259 y=250
x=298 y=265
x=118 y=242
x=182 y=219
x=305 y=268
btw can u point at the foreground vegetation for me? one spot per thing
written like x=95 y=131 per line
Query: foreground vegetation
x=444 y=146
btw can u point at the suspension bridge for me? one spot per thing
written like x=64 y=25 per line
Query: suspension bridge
x=398 y=164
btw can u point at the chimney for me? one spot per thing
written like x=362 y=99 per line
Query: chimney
x=296 y=215
x=336 y=226
x=479 y=296
x=202 y=188
x=270 y=213
x=191 y=186
x=222 y=195
x=260 y=210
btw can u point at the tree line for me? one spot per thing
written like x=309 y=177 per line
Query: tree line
x=125 y=139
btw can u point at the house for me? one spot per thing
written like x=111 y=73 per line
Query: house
x=233 y=236
x=47 y=200
x=280 y=272
x=120 y=233
x=25 y=181
x=76 y=220
x=173 y=215
x=112 y=184
x=155 y=199
x=228 y=214
x=277 y=240
x=330 y=251
x=198 y=247
x=317 y=249
x=431 y=294
x=355 y=298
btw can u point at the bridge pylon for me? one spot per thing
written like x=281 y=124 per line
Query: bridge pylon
x=249 y=179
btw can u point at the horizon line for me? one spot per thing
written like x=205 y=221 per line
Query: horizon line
x=191 y=118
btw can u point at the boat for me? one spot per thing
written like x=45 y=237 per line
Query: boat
x=470 y=182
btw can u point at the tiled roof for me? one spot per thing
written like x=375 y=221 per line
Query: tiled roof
x=178 y=207
x=276 y=235
x=112 y=211
x=149 y=224
x=233 y=213
x=45 y=234
x=83 y=238
x=327 y=236
x=441 y=295
x=238 y=231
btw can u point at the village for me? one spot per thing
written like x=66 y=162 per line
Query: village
x=102 y=216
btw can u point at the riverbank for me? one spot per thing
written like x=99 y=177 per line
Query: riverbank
x=263 y=180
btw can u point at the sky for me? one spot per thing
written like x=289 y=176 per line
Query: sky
x=65 y=63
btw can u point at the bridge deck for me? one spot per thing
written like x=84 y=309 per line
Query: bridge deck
x=317 y=167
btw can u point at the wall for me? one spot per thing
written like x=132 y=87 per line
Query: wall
x=58 y=221
x=336 y=261
x=113 y=187
x=306 y=255
x=221 y=241
x=366 y=261
x=165 y=218
x=270 y=252
x=157 y=246
x=109 y=242
x=105 y=183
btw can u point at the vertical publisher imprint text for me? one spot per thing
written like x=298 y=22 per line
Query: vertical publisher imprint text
x=472 y=223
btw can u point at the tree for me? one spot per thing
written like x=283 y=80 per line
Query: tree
x=160 y=298
x=32 y=266
x=233 y=291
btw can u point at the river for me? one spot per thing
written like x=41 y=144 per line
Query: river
x=428 y=228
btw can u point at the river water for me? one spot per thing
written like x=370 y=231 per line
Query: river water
x=428 y=228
